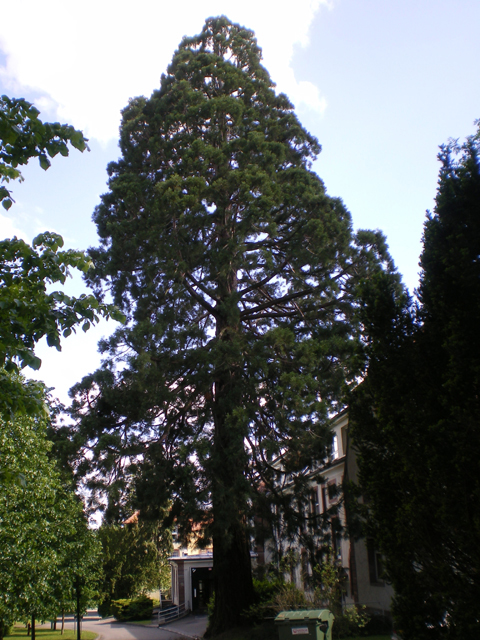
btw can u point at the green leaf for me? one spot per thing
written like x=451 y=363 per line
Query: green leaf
x=78 y=141
x=7 y=203
x=44 y=161
x=29 y=359
x=53 y=341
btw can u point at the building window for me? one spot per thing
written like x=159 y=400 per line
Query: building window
x=305 y=569
x=324 y=499
x=375 y=563
x=344 y=440
x=332 y=491
x=335 y=447
x=314 y=509
x=336 y=539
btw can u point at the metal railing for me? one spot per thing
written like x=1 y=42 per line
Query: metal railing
x=175 y=612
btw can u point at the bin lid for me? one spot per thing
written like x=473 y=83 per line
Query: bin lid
x=310 y=614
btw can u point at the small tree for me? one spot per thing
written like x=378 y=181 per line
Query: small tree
x=134 y=559
x=44 y=541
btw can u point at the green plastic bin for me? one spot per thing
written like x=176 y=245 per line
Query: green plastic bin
x=315 y=624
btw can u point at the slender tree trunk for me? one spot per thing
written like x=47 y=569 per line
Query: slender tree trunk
x=78 y=610
x=33 y=626
x=63 y=622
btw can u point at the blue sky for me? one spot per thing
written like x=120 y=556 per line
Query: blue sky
x=381 y=83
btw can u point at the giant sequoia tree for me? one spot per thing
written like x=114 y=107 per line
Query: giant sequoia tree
x=237 y=274
x=416 y=417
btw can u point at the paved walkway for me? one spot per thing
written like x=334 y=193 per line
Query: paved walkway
x=191 y=626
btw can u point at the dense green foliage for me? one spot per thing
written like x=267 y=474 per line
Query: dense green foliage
x=237 y=273
x=27 y=311
x=416 y=417
x=24 y=136
x=134 y=561
x=46 y=548
x=136 y=609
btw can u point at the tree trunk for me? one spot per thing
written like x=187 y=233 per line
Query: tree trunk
x=63 y=622
x=232 y=580
x=78 y=610
x=33 y=626
x=232 y=571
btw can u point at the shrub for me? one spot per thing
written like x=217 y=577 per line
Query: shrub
x=351 y=622
x=104 y=608
x=289 y=598
x=140 y=608
x=266 y=590
x=378 y=625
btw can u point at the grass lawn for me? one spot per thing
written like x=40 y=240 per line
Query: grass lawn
x=47 y=634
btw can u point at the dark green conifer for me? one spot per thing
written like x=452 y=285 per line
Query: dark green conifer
x=416 y=417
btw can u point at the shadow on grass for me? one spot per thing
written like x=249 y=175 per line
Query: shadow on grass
x=20 y=631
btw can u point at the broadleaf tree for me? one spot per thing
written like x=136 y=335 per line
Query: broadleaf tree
x=23 y=135
x=415 y=418
x=28 y=311
x=237 y=273
x=46 y=547
x=134 y=560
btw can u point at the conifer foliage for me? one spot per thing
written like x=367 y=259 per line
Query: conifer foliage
x=237 y=275
x=416 y=417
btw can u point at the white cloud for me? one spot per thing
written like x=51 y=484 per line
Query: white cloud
x=88 y=58
x=60 y=370
x=8 y=229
